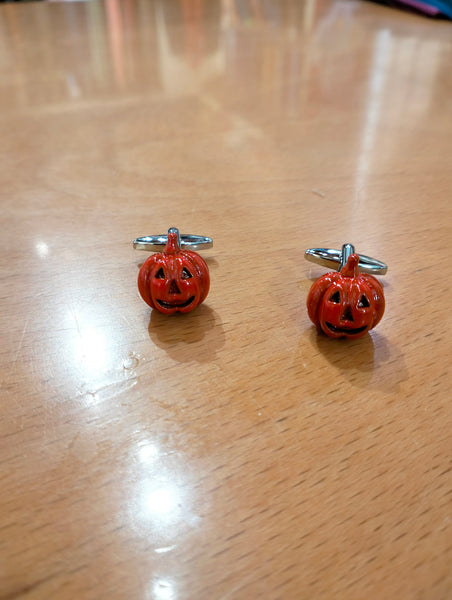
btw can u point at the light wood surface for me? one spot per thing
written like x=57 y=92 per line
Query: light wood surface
x=231 y=453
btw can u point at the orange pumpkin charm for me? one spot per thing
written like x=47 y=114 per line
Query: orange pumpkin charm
x=174 y=280
x=346 y=303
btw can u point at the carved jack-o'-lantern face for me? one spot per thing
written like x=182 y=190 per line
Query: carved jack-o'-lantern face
x=174 y=280
x=346 y=304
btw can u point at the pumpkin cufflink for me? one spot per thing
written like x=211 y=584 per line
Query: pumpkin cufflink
x=176 y=279
x=347 y=303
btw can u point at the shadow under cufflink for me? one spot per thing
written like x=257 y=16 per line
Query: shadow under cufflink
x=211 y=262
x=192 y=337
x=369 y=360
x=345 y=354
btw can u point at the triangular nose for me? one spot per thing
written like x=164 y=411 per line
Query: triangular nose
x=173 y=289
x=347 y=316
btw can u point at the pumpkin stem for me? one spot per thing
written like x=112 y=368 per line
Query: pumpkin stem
x=173 y=241
x=351 y=266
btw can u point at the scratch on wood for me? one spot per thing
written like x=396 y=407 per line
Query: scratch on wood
x=21 y=340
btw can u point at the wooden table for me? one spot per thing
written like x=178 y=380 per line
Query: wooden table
x=233 y=452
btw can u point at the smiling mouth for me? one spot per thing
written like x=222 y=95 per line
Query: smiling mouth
x=348 y=330
x=175 y=304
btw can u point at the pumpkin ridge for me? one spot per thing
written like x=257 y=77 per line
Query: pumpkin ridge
x=202 y=270
x=144 y=277
x=316 y=294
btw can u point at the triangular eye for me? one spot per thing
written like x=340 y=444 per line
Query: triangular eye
x=160 y=274
x=336 y=297
x=363 y=302
x=186 y=274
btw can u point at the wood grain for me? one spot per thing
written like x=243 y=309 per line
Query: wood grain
x=230 y=453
